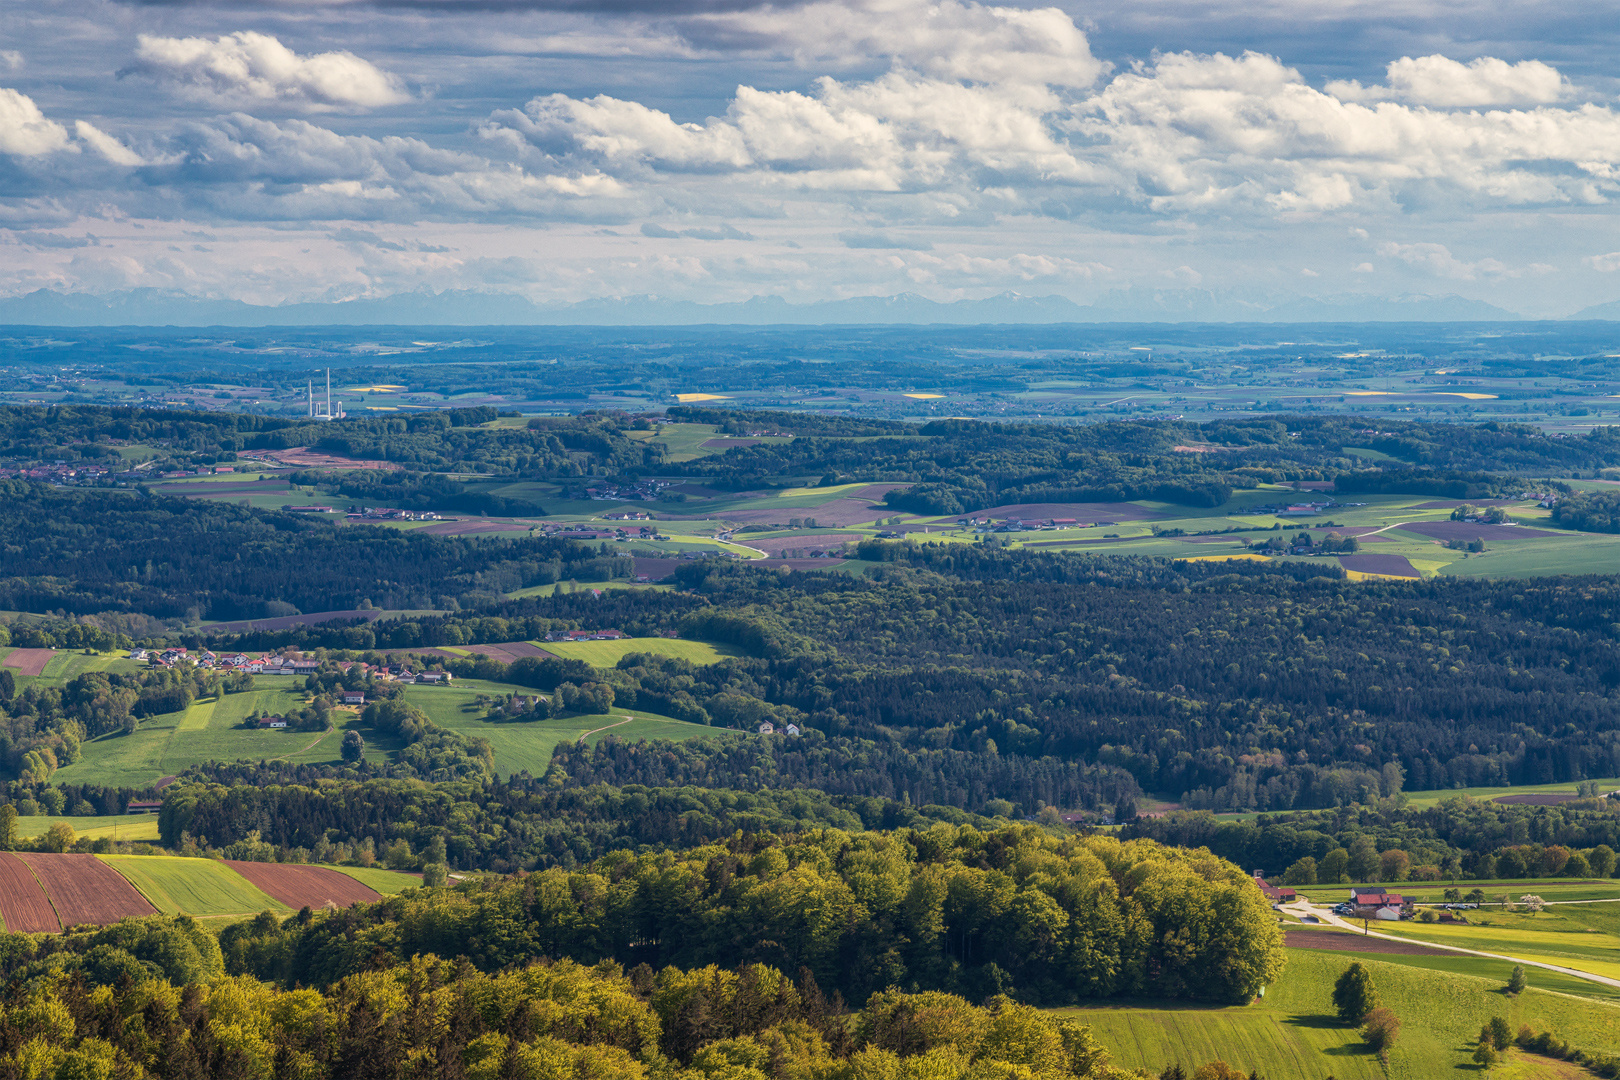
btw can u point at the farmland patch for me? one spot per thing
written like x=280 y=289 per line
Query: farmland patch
x=23 y=904
x=83 y=889
x=28 y=661
x=181 y=886
x=305 y=886
x=1387 y=565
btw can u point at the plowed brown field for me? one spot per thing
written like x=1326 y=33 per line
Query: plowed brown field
x=83 y=889
x=28 y=661
x=305 y=886
x=22 y=902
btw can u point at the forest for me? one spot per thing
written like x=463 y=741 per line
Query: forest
x=946 y=908
x=82 y=1014
x=90 y=551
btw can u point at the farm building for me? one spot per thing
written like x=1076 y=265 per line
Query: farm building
x=1370 y=901
x=1277 y=894
x=767 y=728
x=354 y=697
x=144 y=806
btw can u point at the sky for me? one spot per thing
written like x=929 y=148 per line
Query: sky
x=714 y=150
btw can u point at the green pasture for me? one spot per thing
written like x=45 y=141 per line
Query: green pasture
x=1483 y=967
x=607 y=654
x=1552 y=890
x=164 y=745
x=1425 y=799
x=683 y=442
x=527 y=746
x=1550 y=937
x=110 y=826
x=387 y=882
x=1293 y=1032
x=181 y=886
x=552 y=589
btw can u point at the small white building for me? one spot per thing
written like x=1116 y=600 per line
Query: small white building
x=792 y=729
x=1389 y=913
x=767 y=728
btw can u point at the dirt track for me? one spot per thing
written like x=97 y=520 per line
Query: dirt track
x=23 y=903
x=83 y=889
x=305 y=886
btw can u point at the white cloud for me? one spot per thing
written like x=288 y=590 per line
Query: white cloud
x=1196 y=132
x=1438 y=260
x=249 y=66
x=24 y=130
x=945 y=39
x=1606 y=264
x=105 y=145
x=1440 y=81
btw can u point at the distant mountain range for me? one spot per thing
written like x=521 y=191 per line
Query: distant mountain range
x=154 y=307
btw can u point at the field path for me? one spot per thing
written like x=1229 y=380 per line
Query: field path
x=306 y=749
x=621 y=723
x=1325 y=913
x=196 y=717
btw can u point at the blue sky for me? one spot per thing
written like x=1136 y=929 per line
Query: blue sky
x=716 y=150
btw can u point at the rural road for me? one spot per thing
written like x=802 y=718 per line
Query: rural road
x=1325 y=913
x=621 y=723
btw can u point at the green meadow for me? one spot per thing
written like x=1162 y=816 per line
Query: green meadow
x=181 y=886
x=527 y=746
x=607 y=654
x=111 y=826
x=1294 y=1033
x=208 y=731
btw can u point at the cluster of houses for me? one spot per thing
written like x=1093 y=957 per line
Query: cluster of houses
x=768 y=728
x=287 y=665
x=1369 y=902
x=388 y=513
x=1016 y=524
x=585 y=635
x=645 y=491
x=586 y=532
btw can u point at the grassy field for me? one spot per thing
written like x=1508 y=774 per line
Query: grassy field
x=112 y=826
x=1293 y=1033
x=387 y=882
x=1497 y=972
x=527 y=746
x=1569 y=940
x=1424 y=892
x=608 y=653
x=178 y=886
x=164 y=745
x=1425 y=799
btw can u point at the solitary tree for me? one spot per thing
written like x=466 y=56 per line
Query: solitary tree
x=1516 y=981
x=1381 y=1030
x=1532 y=902
x=1485 y=1055
x=1497 y=1033
x=354 y=747
x=1353 y=995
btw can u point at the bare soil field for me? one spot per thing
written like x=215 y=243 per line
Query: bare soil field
x=23 y=904
x=1337 y=942
x=83 y=889
x=287 y=622
x=305 y=886
x=28 y=661
x=266 y=486
x=805 y=564
x=777 y=544
x=1546 y=798
x=1090 y=513
x=656 y=569
x=1452 y=504
x=1473 y=530
x=465 y=528
x=836 y=512
x=304 y=457
x=1393 y=565
x=508 y=651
